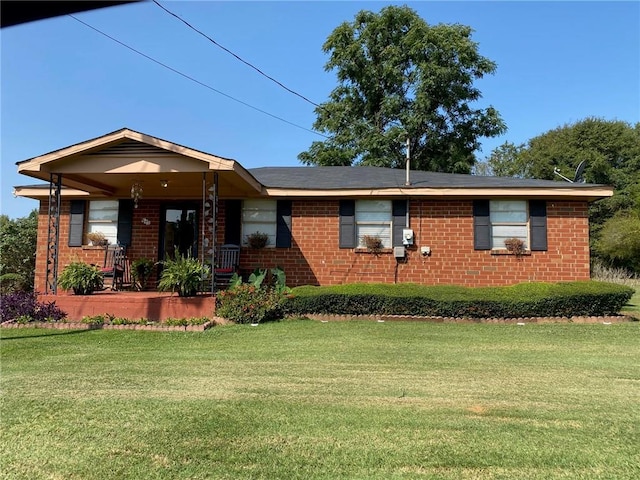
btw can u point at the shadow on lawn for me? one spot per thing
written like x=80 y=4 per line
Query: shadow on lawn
x=66 y=332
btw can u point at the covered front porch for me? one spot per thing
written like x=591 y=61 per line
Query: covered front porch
x=154 y=198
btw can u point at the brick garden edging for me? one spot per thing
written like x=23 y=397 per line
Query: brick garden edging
x=323 y=318
x=87 y=326
x=417 y=318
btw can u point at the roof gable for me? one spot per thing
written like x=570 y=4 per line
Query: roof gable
x=106 y=164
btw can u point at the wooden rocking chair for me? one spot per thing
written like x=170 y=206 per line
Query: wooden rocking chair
x=227 y=263
x=114 y=266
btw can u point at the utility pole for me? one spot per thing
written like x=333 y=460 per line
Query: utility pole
x=407 y=181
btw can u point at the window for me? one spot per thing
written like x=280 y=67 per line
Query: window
x=383 y=218
x=494 y=221
x=103 y=217
x=114 y=218
x=259 y=216
x=509 y=219
x=373 y=218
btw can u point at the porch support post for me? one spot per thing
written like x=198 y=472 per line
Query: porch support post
x=53 y=233
x=209 y=217
x=214 y=210
x=203 y=219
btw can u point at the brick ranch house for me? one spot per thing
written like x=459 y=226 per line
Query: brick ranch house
x=451 y=228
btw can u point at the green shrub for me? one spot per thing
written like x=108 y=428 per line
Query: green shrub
x=26 y=307
x=81 y=277
x=262 y=298
x=619 y=241
x=246 y=303
x=522 y=300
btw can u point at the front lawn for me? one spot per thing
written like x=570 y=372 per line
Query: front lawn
x=633 y=306
x=311 y=400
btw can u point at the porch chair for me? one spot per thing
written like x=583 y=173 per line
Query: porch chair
x=227 y=263
x=114 y=266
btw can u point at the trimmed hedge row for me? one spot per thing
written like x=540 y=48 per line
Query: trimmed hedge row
x=523 y=300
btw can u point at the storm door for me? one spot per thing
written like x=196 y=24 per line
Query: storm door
x=179 y=230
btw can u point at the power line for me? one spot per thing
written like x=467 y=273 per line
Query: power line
x=193 y=79
x=234 y=55
x=322 y=107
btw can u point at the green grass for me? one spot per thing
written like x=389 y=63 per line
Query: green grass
x=310 y=400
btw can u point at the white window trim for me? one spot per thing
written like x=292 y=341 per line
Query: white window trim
x=511 y=224
x=245 y=226
x=373 y=223
x=108 y=227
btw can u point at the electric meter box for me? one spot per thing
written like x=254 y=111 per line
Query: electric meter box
x=407 y=236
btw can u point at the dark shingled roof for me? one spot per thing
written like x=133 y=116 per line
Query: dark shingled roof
x=337 y=178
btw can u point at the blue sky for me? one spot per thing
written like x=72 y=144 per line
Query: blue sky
x=62 y=83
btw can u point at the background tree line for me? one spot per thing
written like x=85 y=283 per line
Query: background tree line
x=611 y=149
x=18 y=252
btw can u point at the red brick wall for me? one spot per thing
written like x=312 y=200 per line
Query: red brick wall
x=144 y=244
x=314 y=258
x=446 y=227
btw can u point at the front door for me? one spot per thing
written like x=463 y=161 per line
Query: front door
x=179 y=231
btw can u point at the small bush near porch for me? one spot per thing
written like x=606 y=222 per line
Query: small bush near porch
x=311 y=400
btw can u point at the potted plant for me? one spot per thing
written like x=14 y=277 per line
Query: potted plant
x=258 y=240
x=183 y=274
x=373 y=243
x=81 y=277
x=141 y=270
x=97 y=238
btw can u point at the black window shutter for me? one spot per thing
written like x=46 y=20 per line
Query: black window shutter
x=232 y=221
x=481 y=225
x=283 y=224
x=125 y=222
x=399 y=212
x=347 y=224
x=538 y=224
x=76 y=223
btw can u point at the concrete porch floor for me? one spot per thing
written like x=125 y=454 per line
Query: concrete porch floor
x=154 y=306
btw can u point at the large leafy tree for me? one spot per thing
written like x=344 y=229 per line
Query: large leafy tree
x=611 y=149
x=400 y=77
x=619 y=241
x=18 y=252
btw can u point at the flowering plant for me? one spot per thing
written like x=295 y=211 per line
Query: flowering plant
x=255 y=301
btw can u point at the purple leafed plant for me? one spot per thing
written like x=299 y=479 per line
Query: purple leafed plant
x=25 y=305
